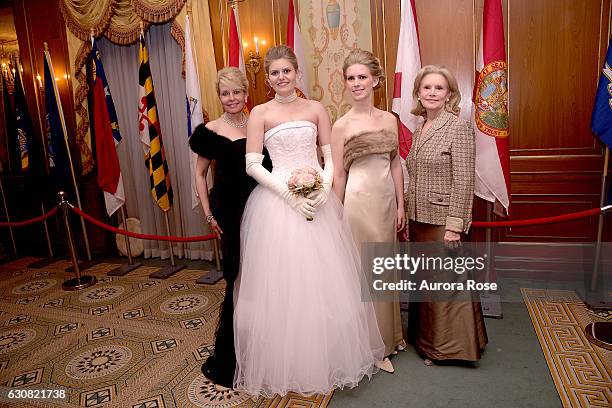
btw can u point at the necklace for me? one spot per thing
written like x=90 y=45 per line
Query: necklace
x=286 y=99
x=242 y=123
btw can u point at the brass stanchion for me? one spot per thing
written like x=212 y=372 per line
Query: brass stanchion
x=167 y=271
x=79 y=282
x=130 y=266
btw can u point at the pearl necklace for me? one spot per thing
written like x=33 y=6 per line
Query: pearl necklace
x=286 y=99
x=241 y=124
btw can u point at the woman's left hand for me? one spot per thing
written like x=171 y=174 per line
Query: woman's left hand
x=452 y=239
x=401 y=219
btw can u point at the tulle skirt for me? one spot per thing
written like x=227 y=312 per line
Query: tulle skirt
x=300 y=322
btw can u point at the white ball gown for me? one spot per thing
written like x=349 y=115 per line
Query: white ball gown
x=300 y=322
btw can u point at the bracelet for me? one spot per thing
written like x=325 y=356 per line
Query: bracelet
x=209 y=218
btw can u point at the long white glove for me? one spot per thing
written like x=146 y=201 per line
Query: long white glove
x=254 y=168
x=319 y=197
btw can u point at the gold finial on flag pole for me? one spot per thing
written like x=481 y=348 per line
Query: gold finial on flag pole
x=46 y=46
x=188 y=6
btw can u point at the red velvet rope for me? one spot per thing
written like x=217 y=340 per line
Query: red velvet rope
x=30 y=221
x=475 y=224
x=538 y=221
x=137 y=235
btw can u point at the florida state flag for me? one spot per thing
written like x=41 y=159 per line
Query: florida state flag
x=490 y=113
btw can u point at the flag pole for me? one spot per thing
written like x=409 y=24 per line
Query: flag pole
x=600 y=221
x=37 y=93
x=8 y=218
x=63 y=122
x=602 y=197
x=42 y=205
x=125 y=269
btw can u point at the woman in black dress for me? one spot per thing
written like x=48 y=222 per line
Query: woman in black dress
x=224 y=141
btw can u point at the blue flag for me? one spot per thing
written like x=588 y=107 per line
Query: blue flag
x=601 y=121
x=59 y=164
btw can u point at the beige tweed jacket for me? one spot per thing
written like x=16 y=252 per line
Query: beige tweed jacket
x=441 y=174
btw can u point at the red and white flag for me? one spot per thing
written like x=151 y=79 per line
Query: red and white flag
x=234 y=56
x=294 y=41
x=407 y=65
x=490 y=113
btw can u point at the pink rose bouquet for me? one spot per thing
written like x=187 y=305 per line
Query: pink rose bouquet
x=304 y=181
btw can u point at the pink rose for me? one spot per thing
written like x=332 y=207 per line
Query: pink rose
x=308 y=180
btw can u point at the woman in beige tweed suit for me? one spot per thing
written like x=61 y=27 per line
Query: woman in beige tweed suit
x=439 y=208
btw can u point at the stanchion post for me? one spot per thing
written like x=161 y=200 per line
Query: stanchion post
x=73 y=256
x=79 y=282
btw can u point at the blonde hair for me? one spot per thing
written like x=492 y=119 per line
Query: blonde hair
x=234 y=76
x=278 y=52
x=363 y=57
x=452 y=105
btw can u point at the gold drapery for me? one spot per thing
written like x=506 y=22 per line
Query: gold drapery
x=119 y=21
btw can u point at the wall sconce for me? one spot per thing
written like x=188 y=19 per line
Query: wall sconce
x=40 y=84
x=253 y=65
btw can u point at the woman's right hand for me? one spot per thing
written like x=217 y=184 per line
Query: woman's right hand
x=303 y=205
x=214 y=227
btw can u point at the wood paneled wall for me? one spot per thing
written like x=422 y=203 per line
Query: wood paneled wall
x=555 y=51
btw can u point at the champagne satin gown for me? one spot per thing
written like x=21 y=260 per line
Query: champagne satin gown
x=370 y=209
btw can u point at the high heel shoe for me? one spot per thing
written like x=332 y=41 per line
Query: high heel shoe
x=385 y=365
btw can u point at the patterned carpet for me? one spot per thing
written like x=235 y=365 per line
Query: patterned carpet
x=127 y=341
x=581 y=371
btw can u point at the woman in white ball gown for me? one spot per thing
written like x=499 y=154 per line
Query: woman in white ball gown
x=301 y=324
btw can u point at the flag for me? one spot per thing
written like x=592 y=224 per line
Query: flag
x=407 y=65
x=601 y=121
x=59 y=160
x=195 y=114
x=150 y=133
x=490 y=113
x=234 y=56
x=294 y=41
x=14 y=153
x=35 y=173
x=107 y=137
x=23 y=125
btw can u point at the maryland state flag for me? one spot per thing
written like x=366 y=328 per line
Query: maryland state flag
x=150 y=133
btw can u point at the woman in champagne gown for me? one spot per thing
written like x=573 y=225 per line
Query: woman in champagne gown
x=369 y=176
x=300 y=322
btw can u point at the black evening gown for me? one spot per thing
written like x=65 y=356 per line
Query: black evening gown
x=231 y=189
